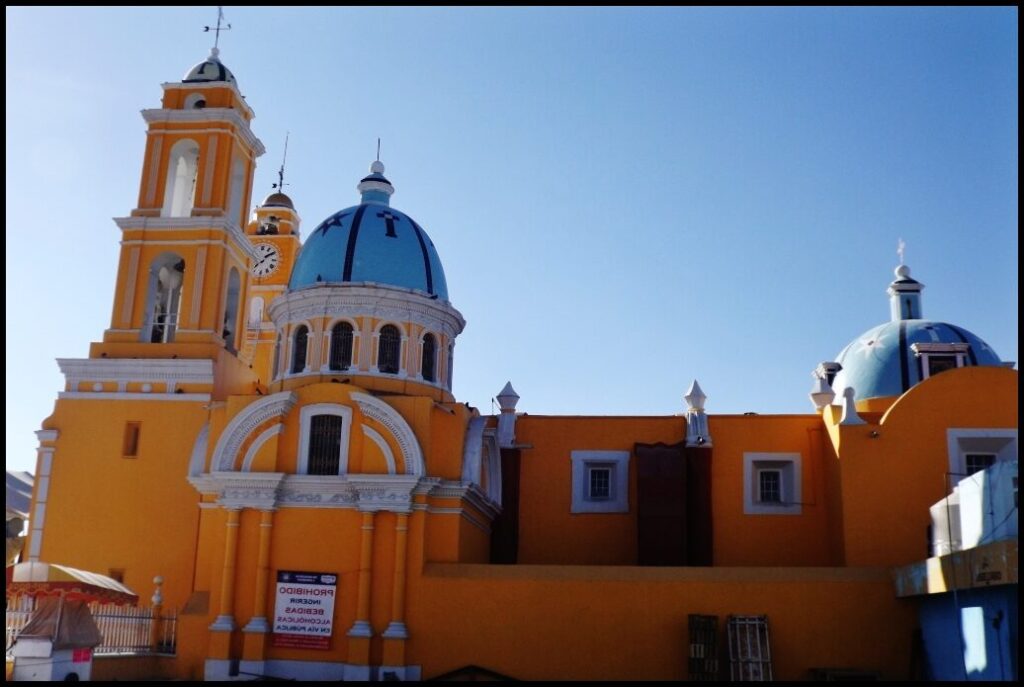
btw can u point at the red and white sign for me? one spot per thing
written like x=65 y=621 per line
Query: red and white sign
x=304 y=610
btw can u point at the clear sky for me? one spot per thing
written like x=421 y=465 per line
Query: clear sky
x=623 y=199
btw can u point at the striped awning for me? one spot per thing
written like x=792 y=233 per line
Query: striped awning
x=49 y=579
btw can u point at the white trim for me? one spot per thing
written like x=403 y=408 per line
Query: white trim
x=125 y=370
x=226 y=245
x=204 y=85
x=961 y=441
x=305 y=421
x=157 y=224
x=221 y=115
x=375 y=436
x=790 y=487
x=131 y=396
x=256 y=413
x=197 y=462
x=46 y=435
x=250 y=455
x=360 y=628
x=376 y=409
x=618 y=462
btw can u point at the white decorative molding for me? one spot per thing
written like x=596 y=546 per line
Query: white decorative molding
x=176 y=224
x=131 y=396
x=788 y=465
x=360 y=628
x=258 y=624
x=248 y=490
x=253 y=415
x=306 y=415
x=197 y=462
x=472 y=453
x=209 y=115
x=46 y=435
x=123 y=371
x=378 y=410
x=257 y=444
x=396 y=630
x=382 y=444
x=492 y=464
x=618 y=497
x=362 y=299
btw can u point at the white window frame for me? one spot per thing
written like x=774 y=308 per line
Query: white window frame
x=926 y=350
x=305 y=425
x=618 y=464
x=961 y=441
x=781 y=485
x=788 y=465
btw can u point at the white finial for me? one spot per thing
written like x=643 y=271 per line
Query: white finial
x=695 y=397
x=158 y=597
x=850 y=416
x=215 y=54
x=901 y=247
x=507 y=398
x=821 y=394
x=377 y=167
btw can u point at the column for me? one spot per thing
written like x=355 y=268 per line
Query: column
x=220 y=635
x=257 y=629
x=396 y=632
x=361 y=631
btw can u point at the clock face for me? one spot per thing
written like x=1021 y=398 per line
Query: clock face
x=268 y=260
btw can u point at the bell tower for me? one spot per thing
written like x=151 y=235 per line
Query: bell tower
x=183 y=274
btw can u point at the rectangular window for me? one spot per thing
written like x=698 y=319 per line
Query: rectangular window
x=130 y=448
x=325 y=445
x=941 y=363
x=976 y=462
x=599 y=479
x=769 y=486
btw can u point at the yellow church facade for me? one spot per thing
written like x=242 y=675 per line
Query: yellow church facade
x=268 y=425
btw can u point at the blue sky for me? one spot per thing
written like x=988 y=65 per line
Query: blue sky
x=623 y=199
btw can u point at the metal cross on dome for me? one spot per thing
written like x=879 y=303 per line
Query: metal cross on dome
x=217 y=29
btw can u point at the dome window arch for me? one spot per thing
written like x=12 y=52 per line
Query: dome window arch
x=163 y=303
x=300 y=344
x=342 y=335
x=428 y=365
x=389 y=348
x=182 y=172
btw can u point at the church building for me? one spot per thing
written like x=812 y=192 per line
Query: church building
x=268 y=424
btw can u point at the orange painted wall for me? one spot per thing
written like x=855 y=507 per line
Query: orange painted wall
x=612 y=623
x=889 y=482
x=550 y=533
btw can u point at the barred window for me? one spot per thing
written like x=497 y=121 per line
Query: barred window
x=341 y=346
x=429 y=355
x=976 y=462
x=600 y=478
x=769 y=486
x=299 y=349
x=389 y=349
x=324 y=445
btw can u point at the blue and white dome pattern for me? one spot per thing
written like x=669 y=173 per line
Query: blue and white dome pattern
x=371 y=242
x=209 y=70
x=881 y=363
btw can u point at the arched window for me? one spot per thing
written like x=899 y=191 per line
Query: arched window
x=195 y=101
x=389 y=349
x=429 y=356
x=341 y=346
x=299 y=349
x=277 y=356
x=182 y=170
x=231 y=311
x=166 y=275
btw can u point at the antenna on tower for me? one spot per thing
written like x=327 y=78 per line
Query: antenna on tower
x=217 y=29
x=378 y=147
x=280 y=173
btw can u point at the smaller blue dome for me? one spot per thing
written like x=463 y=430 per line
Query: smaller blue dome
x=881 y=362
x=209 y=70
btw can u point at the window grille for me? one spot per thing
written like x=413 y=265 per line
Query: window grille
x=324 y=445
x=770 y=486
x=428 y=357
x=299 y=349
x=600 y=479
x=341 y=346
x=976 y=462
x=389 y=349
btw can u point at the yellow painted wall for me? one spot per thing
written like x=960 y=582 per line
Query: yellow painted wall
x=891 y=480
x=612 y=623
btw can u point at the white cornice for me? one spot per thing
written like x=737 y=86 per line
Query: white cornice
x=368 y=299
x=223 y=115
x=171 y=224
x=203 y=85
x=170 y=372
x=44 y=435
x=131 y=396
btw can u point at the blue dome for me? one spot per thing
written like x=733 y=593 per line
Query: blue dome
x=881 y=362
x=371 y=242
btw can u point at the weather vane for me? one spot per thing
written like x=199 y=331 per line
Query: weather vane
x=217 y=29
x=280 y=173
x=901 y=248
